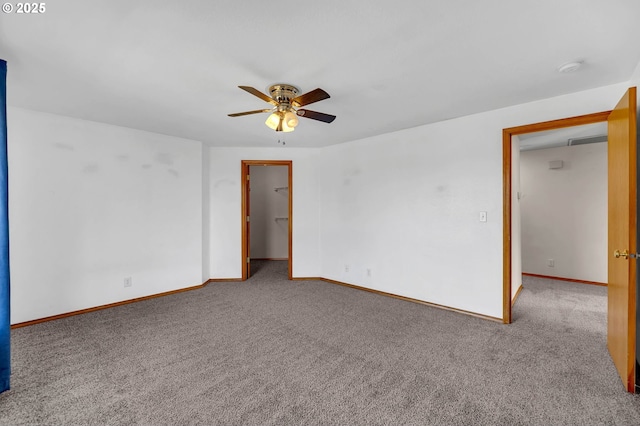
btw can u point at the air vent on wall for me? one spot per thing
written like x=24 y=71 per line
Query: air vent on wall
x=587 y=140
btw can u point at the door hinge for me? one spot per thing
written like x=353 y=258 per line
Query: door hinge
x=248 y=217
x=248 y=259
x=248 y=177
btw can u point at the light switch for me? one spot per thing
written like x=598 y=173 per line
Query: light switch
x=483 y=216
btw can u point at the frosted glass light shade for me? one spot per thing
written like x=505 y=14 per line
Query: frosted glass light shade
x=290 y=119
x=272 y=121
x=286 y=128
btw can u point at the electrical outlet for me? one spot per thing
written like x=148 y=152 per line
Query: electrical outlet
x=551 y=263
x=369 y=272
x=346 y=268
x=128 y=282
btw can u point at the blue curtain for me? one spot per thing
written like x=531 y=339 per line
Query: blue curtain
x=5 y=318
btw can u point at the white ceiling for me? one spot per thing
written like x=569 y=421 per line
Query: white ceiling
x=172 y=67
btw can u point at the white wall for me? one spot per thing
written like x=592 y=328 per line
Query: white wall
x=206 y=214
x=269 y=237
x=564 y=212
x=635 y=77
x=406 y=204
x=226 y=214
x=91 y=204
x=635 y=81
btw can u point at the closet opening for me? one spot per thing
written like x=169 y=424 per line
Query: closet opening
x=266 y=214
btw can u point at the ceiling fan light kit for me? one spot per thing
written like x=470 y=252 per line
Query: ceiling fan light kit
x=286 y=103
x=282 y=122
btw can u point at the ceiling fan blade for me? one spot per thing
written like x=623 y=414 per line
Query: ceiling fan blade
x=259 y=94
x=314 y=115
x=310 y=97
x=240 y=114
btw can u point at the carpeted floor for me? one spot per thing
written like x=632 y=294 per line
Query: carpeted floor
x=273 y=351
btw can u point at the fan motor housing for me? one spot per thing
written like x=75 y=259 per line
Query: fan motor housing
x=282 y=92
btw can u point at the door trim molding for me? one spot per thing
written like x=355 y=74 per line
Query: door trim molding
x=244 y=166
x=507 y=133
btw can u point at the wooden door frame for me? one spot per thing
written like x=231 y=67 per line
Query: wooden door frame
x=507 y=134
x=244 y=166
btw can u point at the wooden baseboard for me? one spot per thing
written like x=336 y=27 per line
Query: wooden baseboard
x=565 y=279
x=107 y=306
x=406 y=299
x=513 y=301
x=223 y=280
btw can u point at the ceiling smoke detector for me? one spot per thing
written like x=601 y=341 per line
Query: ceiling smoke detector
x=569 y=67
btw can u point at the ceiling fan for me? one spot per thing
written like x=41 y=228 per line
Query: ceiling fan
x=286 y=106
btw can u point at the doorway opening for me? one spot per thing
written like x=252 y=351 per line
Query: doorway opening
x=270 y=221
x=509 y=144
x=559 y=231
x=559 y=211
